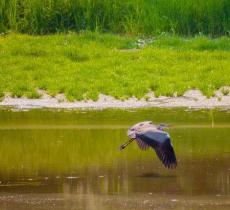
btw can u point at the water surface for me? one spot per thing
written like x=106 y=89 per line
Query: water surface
x=71 y=160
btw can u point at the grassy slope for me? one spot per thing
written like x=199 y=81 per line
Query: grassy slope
x=82 y=66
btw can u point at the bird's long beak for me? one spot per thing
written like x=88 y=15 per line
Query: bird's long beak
x=126 y=144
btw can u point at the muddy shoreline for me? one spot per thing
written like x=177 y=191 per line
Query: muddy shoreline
x=191 y=99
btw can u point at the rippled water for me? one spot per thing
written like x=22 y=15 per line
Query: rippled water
x=71 y=160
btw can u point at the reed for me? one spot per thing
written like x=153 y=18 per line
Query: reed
x=186 y=17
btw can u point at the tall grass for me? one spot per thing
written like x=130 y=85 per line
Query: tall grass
x=185 y=17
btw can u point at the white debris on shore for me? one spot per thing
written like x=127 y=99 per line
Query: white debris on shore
x=191 y=99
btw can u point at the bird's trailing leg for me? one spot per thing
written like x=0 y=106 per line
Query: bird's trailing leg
x=126 y=144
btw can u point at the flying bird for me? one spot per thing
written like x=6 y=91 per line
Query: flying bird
x=147 y=134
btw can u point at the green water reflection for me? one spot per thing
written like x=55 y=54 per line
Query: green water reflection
x=77 y=152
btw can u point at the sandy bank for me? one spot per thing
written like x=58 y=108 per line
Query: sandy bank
x=191 y=99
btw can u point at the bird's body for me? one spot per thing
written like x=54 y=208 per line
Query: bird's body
x=148 y=135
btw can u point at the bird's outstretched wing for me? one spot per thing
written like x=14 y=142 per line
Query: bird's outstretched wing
x=141 y=144
x=160 y=142
x=166 y=154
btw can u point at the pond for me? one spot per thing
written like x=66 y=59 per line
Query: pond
x=67 y=160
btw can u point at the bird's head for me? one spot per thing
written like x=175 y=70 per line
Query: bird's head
x=137 y=128
x=162 y=126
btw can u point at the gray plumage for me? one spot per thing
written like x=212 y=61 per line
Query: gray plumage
x=148 y=135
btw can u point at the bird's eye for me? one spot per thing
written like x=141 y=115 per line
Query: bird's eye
x=132 y=129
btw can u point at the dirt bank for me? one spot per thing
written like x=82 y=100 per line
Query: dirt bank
x=191 y=99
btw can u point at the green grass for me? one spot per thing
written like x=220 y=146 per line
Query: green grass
x=225 y=91
x=198 y=43
x=131 y=16
x=83 y=65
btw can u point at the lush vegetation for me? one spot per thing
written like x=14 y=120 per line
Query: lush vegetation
x=83 y=65
x=131 y=16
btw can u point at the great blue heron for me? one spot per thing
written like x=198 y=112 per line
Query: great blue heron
x=148 y=135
